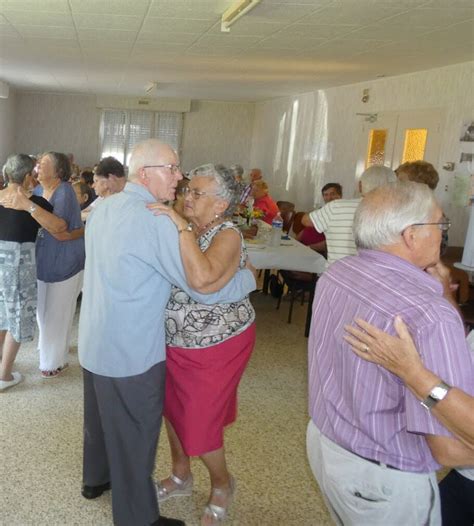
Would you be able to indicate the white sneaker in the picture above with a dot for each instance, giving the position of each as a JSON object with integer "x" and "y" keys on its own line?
{"x": 5, "y": 384}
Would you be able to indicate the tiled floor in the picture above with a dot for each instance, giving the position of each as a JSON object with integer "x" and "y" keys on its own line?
{"x": 41, "y": 440}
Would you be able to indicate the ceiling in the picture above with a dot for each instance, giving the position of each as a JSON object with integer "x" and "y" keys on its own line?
{"x": 281, "y": 47}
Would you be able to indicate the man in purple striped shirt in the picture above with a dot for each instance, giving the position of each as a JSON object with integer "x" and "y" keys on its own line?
{"x": 371, "y": 445}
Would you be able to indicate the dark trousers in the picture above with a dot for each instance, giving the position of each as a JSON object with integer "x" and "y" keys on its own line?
{"x": 122, "y": 420}
{"x": 457, "y": 500}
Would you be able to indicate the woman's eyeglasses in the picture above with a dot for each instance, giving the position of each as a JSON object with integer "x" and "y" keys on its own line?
{"x": 195, "y": 194}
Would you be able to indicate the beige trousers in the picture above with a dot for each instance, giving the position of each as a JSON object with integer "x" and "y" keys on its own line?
{"x": 361, "y": 493}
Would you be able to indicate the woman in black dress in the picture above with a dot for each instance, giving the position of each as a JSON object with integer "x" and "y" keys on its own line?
{"x": 18, "y": 232}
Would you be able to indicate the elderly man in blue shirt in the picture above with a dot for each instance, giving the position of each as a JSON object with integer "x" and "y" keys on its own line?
{"x": 132, "y": 260}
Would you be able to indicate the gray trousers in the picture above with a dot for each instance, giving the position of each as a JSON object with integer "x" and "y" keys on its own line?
{"x": 122, "y": 420}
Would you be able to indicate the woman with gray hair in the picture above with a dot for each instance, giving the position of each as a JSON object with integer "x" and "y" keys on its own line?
{"x": 208, "y": 346}
{"x": 60, "y": 257}
{"x": 18, "y": 295}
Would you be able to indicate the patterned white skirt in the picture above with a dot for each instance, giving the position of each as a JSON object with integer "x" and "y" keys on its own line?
{"x": 18, "y": 290}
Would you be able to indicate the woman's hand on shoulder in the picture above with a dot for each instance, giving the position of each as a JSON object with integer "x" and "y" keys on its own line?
{"x": 16, "y": 201}
{"x": 159, "y": 209}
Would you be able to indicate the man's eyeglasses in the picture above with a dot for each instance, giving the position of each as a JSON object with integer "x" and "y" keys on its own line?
{"x": 172, "y": 167}
{"x": 195, "y": 194}
{"x": 444, "y": 226}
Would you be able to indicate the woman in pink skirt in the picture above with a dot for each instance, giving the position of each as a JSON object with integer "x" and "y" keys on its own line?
{"x": 208, "y": 346}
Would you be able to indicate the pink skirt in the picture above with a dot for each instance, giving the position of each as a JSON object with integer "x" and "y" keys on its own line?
{"x": 201, "y": 390}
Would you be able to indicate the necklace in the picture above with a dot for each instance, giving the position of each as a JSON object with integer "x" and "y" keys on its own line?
{"x": 200, "y": 231}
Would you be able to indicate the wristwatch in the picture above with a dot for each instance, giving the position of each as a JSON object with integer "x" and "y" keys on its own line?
{"x": 32, "y": 209}
{"x": 436, "y": 394}
{"x": 187, "y": 228}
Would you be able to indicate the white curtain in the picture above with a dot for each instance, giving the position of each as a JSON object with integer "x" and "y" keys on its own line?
{"x": 300, "y": 148}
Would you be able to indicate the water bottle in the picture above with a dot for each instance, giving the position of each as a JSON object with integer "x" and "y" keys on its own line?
{"x": 277, "y": 230}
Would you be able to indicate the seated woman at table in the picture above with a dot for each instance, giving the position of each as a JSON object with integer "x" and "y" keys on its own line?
{"x": 208, "y": 346}
{"x": 263, "y": 201}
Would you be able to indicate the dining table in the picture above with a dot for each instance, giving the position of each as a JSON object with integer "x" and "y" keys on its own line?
{"x": 290, "y": 254}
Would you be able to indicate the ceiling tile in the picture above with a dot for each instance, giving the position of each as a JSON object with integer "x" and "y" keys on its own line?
{"x": 351, "y": 14}
{"x": 180, "y": 25}
{"x": 47, "y": 32}
{"x": 227, "y": 40}
{"x": 291, "y": 42}
{"x": 171, "y": 37}
{"x": 448, "y": 4}
{"x": 8, "y": 31}
{"x": 279, "y": 13}
{"x": 434, "y": 17}
{"x": 106, "y": 34}
{"x": 196, "y": 9}
{"x": 314, "y": 3}
{"x": 152, "y": 48}
{"x": 114, "y": 7}
{"x": 106, "y": 45}
{"x": 245, "y": 26}
{"x": 389, "y": 32}
{"x": 39, "y": 18}
{"x": 52, "y": 6}
{"x": 317, "y": 31}
{"x": 98, "y": 21}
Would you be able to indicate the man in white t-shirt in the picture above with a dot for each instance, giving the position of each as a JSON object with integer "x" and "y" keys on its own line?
{"x": 335, "y": 219}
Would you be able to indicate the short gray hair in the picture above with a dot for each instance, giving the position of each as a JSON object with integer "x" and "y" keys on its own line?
{"x": 376, "y": 176}
{"x": 228, "y": 188}
{"x": 237, "y": 170}
{"x": 387, "y": 211}
{"x": 17, "y": 167}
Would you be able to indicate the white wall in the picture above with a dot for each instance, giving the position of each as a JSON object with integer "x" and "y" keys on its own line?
{"x": 217, "y": 132}
{"x": 213, "y": 131}
{"x": 448, "y": 88}
{"x": 59, "y": 122}
{"x": 7, "y": 128}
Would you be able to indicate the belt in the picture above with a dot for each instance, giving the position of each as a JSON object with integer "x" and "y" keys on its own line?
{"x": 381, "y": 464}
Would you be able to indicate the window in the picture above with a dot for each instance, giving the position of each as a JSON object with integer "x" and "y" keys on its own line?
{"x": 376, "y": 149}
{"x": 120, "y": 130}
{"x": 415, "y": 144}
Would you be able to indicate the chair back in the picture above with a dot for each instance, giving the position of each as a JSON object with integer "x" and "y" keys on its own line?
{"x": 287, "y": 216}
{"x": 285, "y": 205}
{"x": 297, "y": 224}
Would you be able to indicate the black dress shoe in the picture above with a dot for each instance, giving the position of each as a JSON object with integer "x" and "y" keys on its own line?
{"x": 165, "y": 521}
{"x": 92, "y": 492}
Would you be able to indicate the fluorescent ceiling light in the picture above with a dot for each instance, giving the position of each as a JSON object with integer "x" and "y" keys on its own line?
{"x": 234, "y": 12}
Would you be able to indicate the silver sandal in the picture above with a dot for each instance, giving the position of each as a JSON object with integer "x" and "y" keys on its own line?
{"x": 218, "y": 513}
{"x": 183, "y": 488}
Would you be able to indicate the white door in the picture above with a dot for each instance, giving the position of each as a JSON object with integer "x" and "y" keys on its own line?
{"x": 395, "y": 137}
{"x": 418, "y": 137}
{"x": 376, "y": 140}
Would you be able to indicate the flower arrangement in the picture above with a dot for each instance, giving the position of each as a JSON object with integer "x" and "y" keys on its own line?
{"x": 252, "y": 214}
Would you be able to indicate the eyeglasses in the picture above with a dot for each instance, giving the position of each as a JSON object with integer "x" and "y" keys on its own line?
{"x": 195, "y": 194}
{"x": 172, "y": 167}
{"x": 444, "y": 226}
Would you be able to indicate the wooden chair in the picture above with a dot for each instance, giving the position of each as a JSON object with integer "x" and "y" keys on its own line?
{"x": 297, "y": 224}
{"x": 288, "y": 217}
{"x": 287, "y": 211}
{"x": 298, "y": 284}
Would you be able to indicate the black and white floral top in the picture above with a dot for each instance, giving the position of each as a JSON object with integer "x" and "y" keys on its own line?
{"x": 193, "y": 325}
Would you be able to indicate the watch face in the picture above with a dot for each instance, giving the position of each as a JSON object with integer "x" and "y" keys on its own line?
{"x": 438, "y": 393}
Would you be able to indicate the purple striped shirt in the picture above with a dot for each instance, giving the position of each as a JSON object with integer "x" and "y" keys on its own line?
{"x": 359, "y": 405}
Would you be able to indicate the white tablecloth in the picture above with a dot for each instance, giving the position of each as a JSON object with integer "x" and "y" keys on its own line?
{"x": 290, "y": 255}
